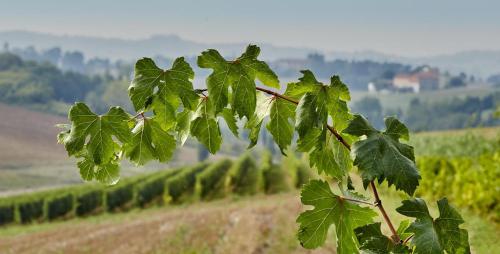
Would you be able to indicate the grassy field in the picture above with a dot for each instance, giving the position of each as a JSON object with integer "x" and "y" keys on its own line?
{"x": 31, "y": 159}
{"x": 259, "y": 224}
{"x": 28, "y": 138}
{"x": 486, "y": 132}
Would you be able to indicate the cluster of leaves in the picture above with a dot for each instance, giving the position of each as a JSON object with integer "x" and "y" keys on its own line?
{"x": 170, "y": 110}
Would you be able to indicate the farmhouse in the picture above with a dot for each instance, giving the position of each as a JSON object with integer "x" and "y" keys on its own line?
{"x": 424, "y": 79}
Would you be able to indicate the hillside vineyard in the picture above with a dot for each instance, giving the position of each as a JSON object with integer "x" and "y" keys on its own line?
{"x": 169, "y": 110}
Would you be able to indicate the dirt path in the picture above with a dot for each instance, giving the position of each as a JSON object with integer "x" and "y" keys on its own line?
{"x": 254, "y": 225}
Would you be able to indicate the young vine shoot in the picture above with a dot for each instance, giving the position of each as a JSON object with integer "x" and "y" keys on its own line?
{"x": 169, "y": 110}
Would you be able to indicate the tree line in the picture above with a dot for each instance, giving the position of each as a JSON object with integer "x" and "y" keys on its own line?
{"x": 422, "y": 115}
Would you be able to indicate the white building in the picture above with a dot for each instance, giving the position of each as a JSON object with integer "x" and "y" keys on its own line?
{"x": 425, "y": 79}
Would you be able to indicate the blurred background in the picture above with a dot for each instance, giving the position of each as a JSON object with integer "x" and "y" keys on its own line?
{"x": 433, "y": 64}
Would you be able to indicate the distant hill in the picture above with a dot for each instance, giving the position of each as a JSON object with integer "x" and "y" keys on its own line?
{"x": 114, "y": 48}
{"x": 482, "y": 63}
{"x": 479, "y": 63}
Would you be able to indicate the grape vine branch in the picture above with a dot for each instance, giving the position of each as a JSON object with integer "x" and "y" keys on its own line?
{"x": 169, "y": 110}
{"x": 377, "y": 202}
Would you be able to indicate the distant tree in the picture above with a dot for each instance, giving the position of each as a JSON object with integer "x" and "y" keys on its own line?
{"x": 124, "y": 70}
{"x": 112, "y": 92}
{"x": 52, "y": 56}
{"x": 371, "y": 108}
{"x": 388, "y": 74}
{"x": 97, "y": 66}
{"x": 455, "y": 82}
{"x": 28, "y": 53}
{"x": 494, "y": 80}
{"x": 73, "y": 61}
{"x": 30, "y": 92}
{"x": 28, "y": 82}
{"x": 456, "y": 113}
{"x": 9, "y": 61}
{"x": 316, "y": 58}
{"x": 394, "y": 112}
{"x": 472, "y": 79}
{"x": 463, "y": 76}
{"x": 355, "y": 73}
{"x": 415, "y": 102}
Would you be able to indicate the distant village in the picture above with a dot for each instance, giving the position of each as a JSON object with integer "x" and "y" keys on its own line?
{"x": 361, "y": 75}
{"x": 424, "y": 78}
{"x": 376, "y": 77}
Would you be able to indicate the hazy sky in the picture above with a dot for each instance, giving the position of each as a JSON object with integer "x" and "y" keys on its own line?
{"x": 404, "y": 27}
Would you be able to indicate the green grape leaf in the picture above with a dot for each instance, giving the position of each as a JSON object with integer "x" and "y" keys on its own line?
{"x": 396, "y": 129}
{"x": 108, "y": 173}
{"x": 253, "y": 136}
{"x": 219, "y": 81}
{"x": 326, "y": 153}
{"x": 183, "y": 126}
{"x": 339, "y": 112}
{"x": 311, "y": 111}
{"x": 317, "y": 101}
{"x": 262, "y": 110}
{"x": 258, "y": 69}
{"x": 164, "y": 144}
{"x": 243, "y": 96}
{"x": 310, "y": 140}
{"x": 381, "y": 156}
{"x": 165, "y": 107}
{"x": 434, "y": 236}
{"x": 337, "y": 104}
{"x": 205, "y": 127}
{"x": 330, "y": 209}
{"x": 307, "y": 83}
{"x": 372, "y": 241}
{"x": 341, "y": 154}
{"x": 403, "y": 225}
{"x": 228, "y": 116}
{"x": 176, "y": 81}
{"x": 340, "y": 89}
{"x": 280, "y": 125}
{"x": 240, "y": 75}
{"x": 99, "y": 130}
{"x": 149, "y": 142}
{"x": 322, "y": 158}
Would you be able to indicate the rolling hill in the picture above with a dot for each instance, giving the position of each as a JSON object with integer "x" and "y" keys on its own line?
{"x": 481, "y": 63}
{"x": 31, "y": 159}
{"x": 28, "y": 137}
